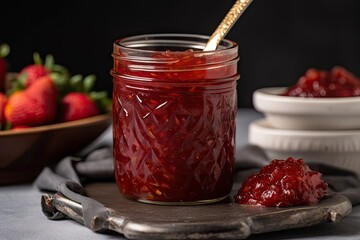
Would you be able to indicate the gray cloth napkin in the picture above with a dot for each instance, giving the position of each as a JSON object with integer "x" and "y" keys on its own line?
{"x": 70, "y": 173}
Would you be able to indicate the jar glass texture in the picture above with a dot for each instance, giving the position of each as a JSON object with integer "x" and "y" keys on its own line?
{"x": 174, "y": 118}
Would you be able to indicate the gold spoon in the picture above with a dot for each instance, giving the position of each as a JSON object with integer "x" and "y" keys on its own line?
{"x": 231, "y": 17}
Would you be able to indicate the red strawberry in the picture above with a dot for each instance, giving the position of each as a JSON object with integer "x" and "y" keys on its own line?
{"x": 3, "y": 100}
{"x": 4, "y": 51}
{"x": 77, "y": 105}
{"x": 33, "y": 106}
{"x": 32, "y": 72}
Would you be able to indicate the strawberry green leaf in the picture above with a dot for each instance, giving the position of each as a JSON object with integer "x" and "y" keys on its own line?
{"x": 59, "y": 68}
{"x": 4, "y": 50}
{"x": 102, "y": 101}
{"x": 98, "y": 95}
{"x": 60, "y": 81}
{"x": 22, "y": 79}
{"x": 105, "y": 105}
{"x": 76, "y": 82}
{"x": 88, "y": 83}
{"x": 37, "y": 58}
{"x": 16, "y": 84}
{"x": 49, "y": 61}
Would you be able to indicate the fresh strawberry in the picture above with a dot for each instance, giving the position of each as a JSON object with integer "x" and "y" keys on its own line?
{"x": 80, "y": 84}
{"x": 33, "y": 106}
{"x": 30, "y": 73}
{"x": 4, "y": 51}
{"x": 33, "y": 72}
{"x": 3, "y": 100}
{"x": 77, "y": 105}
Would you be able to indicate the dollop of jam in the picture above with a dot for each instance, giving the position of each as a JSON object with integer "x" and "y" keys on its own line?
{"x": 315, "y": 83}
{"x": 282, "y": 183}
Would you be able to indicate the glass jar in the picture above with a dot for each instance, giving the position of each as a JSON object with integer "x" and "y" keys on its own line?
{"x": 174, "y": 109}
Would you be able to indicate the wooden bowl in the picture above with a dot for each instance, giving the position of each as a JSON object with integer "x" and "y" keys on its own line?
{"x": 25, "y": 152}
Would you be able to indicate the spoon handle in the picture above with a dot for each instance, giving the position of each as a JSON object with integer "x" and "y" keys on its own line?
{"x": 231, "y": 17}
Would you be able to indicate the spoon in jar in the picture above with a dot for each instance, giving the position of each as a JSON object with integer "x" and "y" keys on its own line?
{"x": 231, "y": 17}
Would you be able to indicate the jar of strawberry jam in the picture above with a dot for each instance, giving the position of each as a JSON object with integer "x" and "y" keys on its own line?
{"x": 174, "y": 110}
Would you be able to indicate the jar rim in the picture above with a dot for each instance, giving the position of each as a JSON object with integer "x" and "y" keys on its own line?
{"x": 193, "y": 41}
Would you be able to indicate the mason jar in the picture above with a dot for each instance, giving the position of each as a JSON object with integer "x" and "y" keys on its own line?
{"x": 174, "y": 109}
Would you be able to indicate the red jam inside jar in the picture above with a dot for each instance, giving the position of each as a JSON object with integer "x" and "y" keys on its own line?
{"x": 338, "y": 82}
{"x": 174, "y": 118}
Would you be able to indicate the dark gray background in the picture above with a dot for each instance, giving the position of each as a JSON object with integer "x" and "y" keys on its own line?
{"x": 278, "y": 39}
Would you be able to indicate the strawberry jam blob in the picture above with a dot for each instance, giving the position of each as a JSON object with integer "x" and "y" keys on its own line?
{"x": 282, "y": 183}
{"x": 174, "y": 119}
{"x": 319, "y": 83}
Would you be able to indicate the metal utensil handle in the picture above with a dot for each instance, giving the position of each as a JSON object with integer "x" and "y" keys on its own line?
{"x": 231, "y": 17}
{"x": 57, "y": 202}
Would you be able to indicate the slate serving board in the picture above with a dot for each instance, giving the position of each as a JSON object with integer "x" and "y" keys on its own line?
{"x": 222, "y": 220}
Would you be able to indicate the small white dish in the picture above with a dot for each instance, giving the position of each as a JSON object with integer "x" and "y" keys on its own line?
{"x": 340, "y": 148}
{"x": 302, "y": 113}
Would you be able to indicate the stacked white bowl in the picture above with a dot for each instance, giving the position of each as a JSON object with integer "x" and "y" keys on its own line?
{"x": 323, "y": 130}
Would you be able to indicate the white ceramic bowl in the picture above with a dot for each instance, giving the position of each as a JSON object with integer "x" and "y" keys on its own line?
{"x": 340, "y": 148}
{"x": 301, "y": 113}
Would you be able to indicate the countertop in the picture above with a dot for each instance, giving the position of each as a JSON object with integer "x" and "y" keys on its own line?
{"x": 21, "y": 216}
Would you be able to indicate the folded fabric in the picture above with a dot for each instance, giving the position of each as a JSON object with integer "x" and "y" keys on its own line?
{"x": 65, "y": 179}
{"x": 70, "y": 173}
